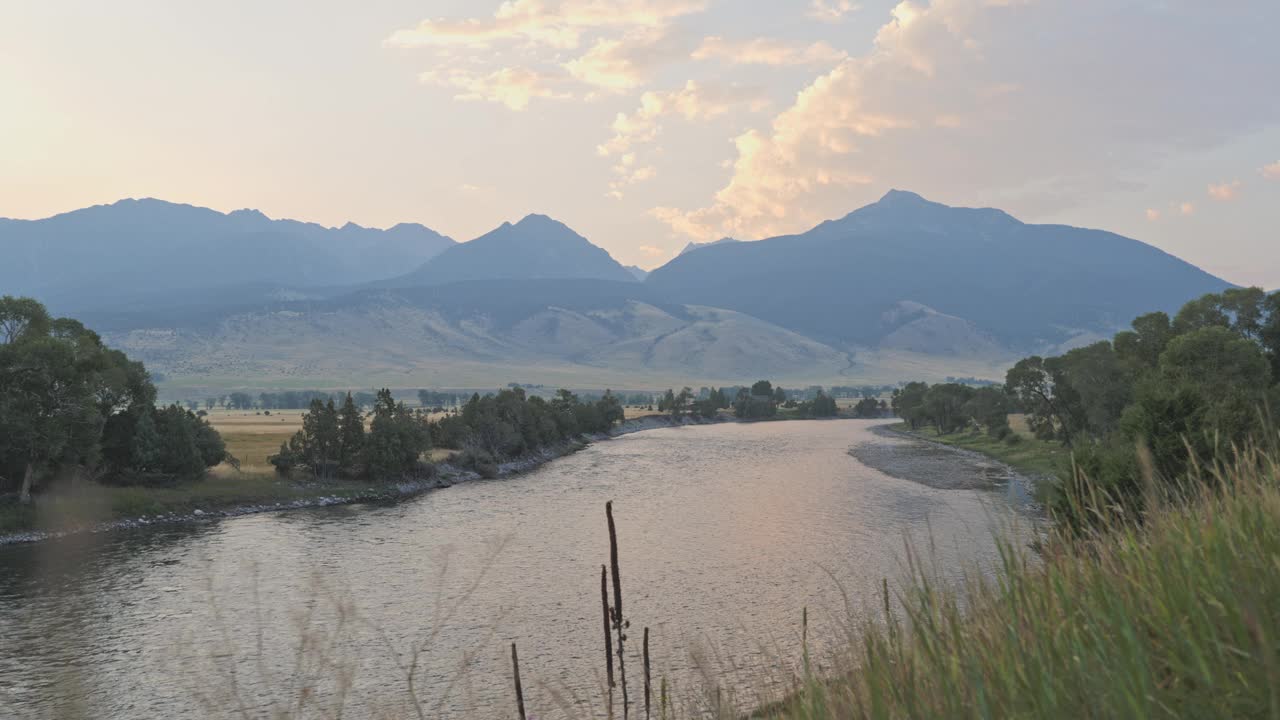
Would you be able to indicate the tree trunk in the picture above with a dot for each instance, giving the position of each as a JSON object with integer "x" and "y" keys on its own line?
{"x": 24, "y": 496}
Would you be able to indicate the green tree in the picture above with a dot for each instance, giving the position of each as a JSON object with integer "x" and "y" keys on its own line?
{"x": 989, "y": 407}
{"x": 944, "y": 406}
{"x": 350, "y": 436}
{"x": 908, "y": 403}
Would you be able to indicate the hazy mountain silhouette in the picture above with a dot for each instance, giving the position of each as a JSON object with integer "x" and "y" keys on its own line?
{"x": 901, "y": 288}
{"x": 696, "y": 246}
{"x": 1025, "y": 285}
{"x": 537, "y": 247}
{"x": 103, "y": 254}
{"x": 637, "y": 271}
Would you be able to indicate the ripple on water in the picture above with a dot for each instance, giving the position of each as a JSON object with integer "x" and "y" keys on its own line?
{"x": 726, "y": 533}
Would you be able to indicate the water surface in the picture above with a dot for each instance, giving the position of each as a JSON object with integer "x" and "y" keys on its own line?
{"x": 726, "y": 533}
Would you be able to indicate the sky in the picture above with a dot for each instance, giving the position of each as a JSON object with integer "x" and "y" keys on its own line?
{"x": 647, "y": 124}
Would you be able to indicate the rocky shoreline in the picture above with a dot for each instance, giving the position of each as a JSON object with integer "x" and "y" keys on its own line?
{"x": 944, "y": 467}
{"x": 446, "y": 475}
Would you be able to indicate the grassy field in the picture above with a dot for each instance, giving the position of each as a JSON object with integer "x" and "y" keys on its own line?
{"x": 1028, "y": 454}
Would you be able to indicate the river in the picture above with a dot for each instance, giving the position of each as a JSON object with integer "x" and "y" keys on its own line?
{"x": 727, "y": 532}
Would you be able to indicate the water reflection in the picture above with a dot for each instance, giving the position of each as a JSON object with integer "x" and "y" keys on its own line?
{"x": 726, "y": 532}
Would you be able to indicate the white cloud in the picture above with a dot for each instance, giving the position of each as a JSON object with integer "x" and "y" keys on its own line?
{"x": 653, "y": 252}
{"x": 1035, "y": 104}
{"x": 518, "y": 52}
{"x": 1153, "y": 214}
{"x": 766, "y": 51}
{"x": 623, "y": 63}
{"x": 694, "y": 101}
{"x": 512, "y": 87}
{"x": 558, "y": 25}
{"x": 1271, "y": 172}
{"x": 831, "y": 10}
{"x": 1224, "y": 191}
{"x": 1186, "y": 208}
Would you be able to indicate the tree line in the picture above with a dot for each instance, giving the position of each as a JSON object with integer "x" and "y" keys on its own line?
{"x": 70, "y": 407}
{"x": 510, "y": 423}
{"x": 334, "y": 442}
{"x": 1158, "y": 400}
{"x": 1150, "y": 405}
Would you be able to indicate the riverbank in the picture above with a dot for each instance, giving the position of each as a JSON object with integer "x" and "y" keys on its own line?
{"x": 1178, "y": 613}
{"x": 1028, "y": 454}
{"x": 93, "y": 508}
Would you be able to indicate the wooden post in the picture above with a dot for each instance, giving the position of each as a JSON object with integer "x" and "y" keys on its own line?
{"x": 515, "y": 671}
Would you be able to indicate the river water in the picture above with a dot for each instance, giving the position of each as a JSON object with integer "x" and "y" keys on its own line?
{"x": 727, "y": 532}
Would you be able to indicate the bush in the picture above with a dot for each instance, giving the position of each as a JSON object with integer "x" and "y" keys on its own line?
{"x": 1012, "y": 438}
{"x": 478, "y": 460}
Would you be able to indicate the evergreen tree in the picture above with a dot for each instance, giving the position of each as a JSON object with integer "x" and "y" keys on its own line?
{"x": 350, "y": 436}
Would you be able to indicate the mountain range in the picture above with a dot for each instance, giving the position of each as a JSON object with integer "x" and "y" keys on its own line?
{"x": 899, "y": 289}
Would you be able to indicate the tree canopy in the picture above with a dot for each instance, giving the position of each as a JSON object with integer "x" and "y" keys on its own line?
{"x": 69, "y": 405}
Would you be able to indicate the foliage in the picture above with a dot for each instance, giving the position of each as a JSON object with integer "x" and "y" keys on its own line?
{"x": 510, "y": 423}
{"x": 71, "y": 405}
{"x": 1147, "y": 406}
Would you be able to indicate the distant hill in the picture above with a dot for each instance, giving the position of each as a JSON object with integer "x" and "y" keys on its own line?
{"x": 574, "y": 332}
{"x": 103, "y": 255}
{"x": 1001, "y": 281}
{"x": 638, "y": 272}
{"x": 537, "y": 247}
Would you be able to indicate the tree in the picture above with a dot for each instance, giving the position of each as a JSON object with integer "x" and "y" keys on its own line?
{"x": 1142, "y": 345}
{"x": 322, "y": 437}
{"x": 21, "y": 317}
{"x": 762, "y": 388}
{"x": 944, "y": 406}
{"x": 350, "y": 436}
{"x": 396, "y": 439}
{"x": 989, "y": 407}
{"x": 908, "y": 403}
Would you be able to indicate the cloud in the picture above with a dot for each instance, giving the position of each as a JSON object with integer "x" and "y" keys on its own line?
{"x": 1186, "y": 208}
{"x": 623, "y": 63}
{"x": 1041, "y": 106}
{"x": 831, "y": 10}
{"x": 512, "y": 87}
{"x": 469, "y": 188}
{"x": 694, "y": 101}
{"x": 1271, "y": 172}
{"x": 536, "y": 22}
{"x": 766, "y": 51}
{"x": 653, "y": 252}
{"x": 1153, "y": 214}
{"x": 1224, "y": 191}
{"x": 519, "y": 52}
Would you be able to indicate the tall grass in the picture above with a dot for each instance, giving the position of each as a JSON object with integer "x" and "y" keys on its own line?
{"x": 1178, "y": 617}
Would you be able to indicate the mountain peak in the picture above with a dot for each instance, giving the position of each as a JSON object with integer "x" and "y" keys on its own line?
{"x": 248, "y": 214}
{"x": 902, "y": 197}
{"x": 535, "y": 219}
